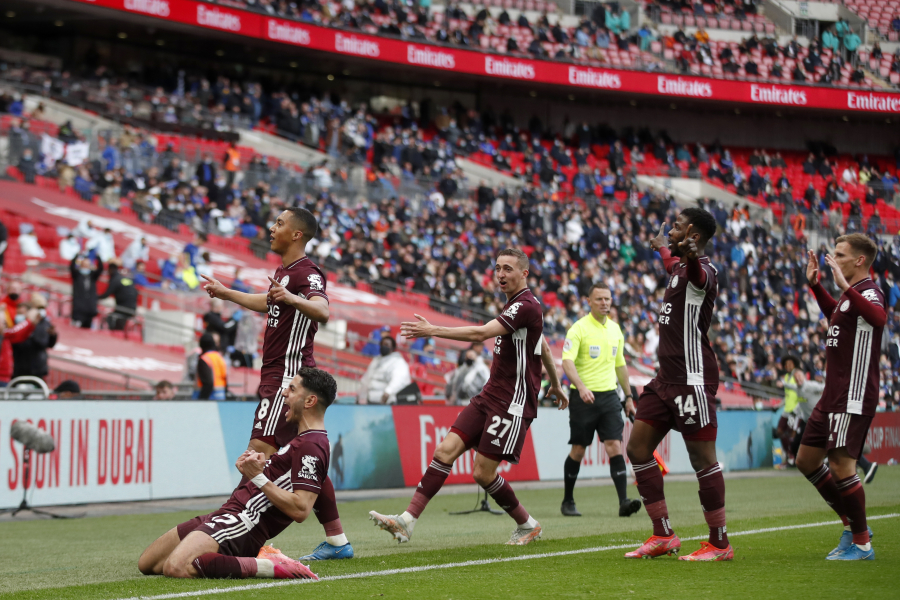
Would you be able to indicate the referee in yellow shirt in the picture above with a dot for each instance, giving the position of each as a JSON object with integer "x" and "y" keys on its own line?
{"x": 593, "y": 360}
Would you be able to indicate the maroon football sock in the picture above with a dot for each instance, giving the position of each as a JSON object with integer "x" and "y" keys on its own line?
{"x": 854, "y": 498}
{"x": 218, "y": 566}
{"x": 650, "y": 487}
{"x": 505, "y": 497}
{"x": 325, "y": 506}
{"x": 712, "y": 501}
{"x": 432, "y": 481}
{"x": 824, "y": 482}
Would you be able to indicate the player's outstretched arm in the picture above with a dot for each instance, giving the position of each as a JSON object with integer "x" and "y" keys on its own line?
{"x": 562, "y": 400}
{"x": 476, "y": 333}
{"x": 315, "y": 308}
{"x": 254, "y": 302}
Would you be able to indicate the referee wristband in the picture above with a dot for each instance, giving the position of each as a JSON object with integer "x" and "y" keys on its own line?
{"x": 260, "y": 480}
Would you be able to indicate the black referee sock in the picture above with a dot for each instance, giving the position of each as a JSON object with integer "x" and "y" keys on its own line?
{"x": 619, "y": 473}
{"x": 570, "y": 476}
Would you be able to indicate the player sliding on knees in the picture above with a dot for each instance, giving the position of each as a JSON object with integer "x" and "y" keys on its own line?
{"x": 228, "y": 543}
{"x": 296, "y": 304}
{"x": 839, "y": 424}
{"x": 497, "y": 419}
{"x": 682, "y": 396}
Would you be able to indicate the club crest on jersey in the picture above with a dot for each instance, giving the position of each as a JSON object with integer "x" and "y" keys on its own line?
{"x": 870, "y": 295}
{"x": 315, "y": 282}
{"x": 512, "y": 310}
{"x": 674, "y": 281}
{"x": 284, "y": 280}
{"x": 845, "y": 306}
{"x": 309, "y": 467}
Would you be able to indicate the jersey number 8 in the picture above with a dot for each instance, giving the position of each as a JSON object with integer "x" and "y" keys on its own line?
{"x": 687, "y": 406}
{"x": 263, "y": 409}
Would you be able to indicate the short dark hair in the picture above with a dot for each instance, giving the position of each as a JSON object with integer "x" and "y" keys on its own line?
{"x": 320, "y": 383}
{"x": 600, "y": 285}
{"x": 389, "y": 338}
{"x": 861, "y": 243}
{"x": 69, "y": 386}
{"x": 207, "y": 342}
{"x": 306, "y": 221}
{"x": 163, "y": 384}
{"x": 521, "y": 257}
{"x": 702, "y": 221}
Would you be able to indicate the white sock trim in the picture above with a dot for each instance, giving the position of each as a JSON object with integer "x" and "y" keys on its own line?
{"x": 265, "y": 568}
{"x": 531, "y": 523}
{"x": 337, "y": 540}
{"x": 409, "y": 520}
{"x": 866, "y": 546}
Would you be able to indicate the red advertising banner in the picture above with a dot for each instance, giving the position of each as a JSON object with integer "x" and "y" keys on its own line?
{"x": 884, "y": 437}
{"x": 495, "y": 65}
{"x": 421, "y": 428}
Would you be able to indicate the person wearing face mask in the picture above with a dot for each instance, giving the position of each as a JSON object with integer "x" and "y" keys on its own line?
{"x": 468, "y": 379}
{"x": 11, "y": 302}
{"x": 121, "y": 287}
{"x": 84, "y": 290}
{"x": 386, "y": 375}
{"x": 30, "y": 355}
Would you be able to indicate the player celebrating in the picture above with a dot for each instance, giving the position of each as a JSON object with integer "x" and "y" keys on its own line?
{"x": 276, "y": 492}
{"x": 496, "y": 420}
{"x": 683, "y": 394}
{"x": 296, "y": 303}
{"x": 839, "y": 423}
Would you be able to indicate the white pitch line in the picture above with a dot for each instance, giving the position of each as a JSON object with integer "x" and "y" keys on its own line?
{"x": 469, "y": 563}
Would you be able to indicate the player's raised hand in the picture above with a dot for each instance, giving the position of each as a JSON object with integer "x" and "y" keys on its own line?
{"x": 660, "y": 240}
{"x": 839, "y": 278}
{"x": 279, "y": 293}
{"x": 214, "y": 287}
{"x": 812, "y": 268}
{"x": 562, "y": 401}
{"x": 416, "y": 329}
{"x": 688, "y": 246}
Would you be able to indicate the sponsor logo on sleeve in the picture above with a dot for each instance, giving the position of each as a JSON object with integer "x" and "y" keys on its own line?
{"x": 417, "y": 55}
{"x": 218, "y": 19}
{"x": 309, "y": 467}
{"x": 568, "y": 345}
{"x": 508, "y": 68}
{"x": 315, "y": 282}
{"x": 286, "y": 32}
{"x": 512, "y": 310}
{"x": 871, "y": 295}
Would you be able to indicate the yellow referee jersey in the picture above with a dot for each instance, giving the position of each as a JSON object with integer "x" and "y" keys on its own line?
{"x": 596, "y": 351}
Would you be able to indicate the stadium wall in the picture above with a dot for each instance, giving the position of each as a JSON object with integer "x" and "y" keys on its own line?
{"x": 119, "y": 451}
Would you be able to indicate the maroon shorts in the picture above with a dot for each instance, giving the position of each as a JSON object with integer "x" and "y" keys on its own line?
{"x": 685, "y": 408}
{"x": 228, "y": 530}
{"x": 269, "y": 423}
{"x": 836, "y": 430}
{"x": 492, "y": 431}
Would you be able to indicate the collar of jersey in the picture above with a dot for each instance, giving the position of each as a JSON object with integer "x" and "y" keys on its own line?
{"x": 296, "y": 262}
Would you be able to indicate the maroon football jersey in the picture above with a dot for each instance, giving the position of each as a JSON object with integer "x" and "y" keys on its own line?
{"x": 301, "y": 465}
{"x": 516, "y": 371}
{"x": 288, "y": 343}
{"x": 685, "y": 355}
{"x": 852, "y": 351}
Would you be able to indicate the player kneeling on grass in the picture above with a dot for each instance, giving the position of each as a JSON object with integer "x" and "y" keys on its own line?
{"x": 228, "y": 543}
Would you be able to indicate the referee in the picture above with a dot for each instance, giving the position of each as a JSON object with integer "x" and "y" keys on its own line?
{"x": 593, "y": 360}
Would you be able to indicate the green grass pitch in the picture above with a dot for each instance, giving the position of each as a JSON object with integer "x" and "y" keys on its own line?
{"x": 97, "y": 557}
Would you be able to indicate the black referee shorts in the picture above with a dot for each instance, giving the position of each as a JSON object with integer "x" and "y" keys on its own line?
{"x": 603, "y": 416}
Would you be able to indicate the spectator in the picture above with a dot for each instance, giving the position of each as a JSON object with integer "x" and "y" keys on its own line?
{"x": 851, "y": 44}
{"x": 164, "y": 390}
{"x": 69, "y": 247}
{"x": 386, "y": 375}
{"x": 137, "y": 251}
{"x": 212, "y": 372}
{"x": 85, "y": 272}
{"x": 19, "y": 331}
{"x": 67, "y": 390}
{"x": 466, "y": 381}
{"x": 30, "y": 356}
{"x": 27, "y": 166}
{"x": 122, "y": 288}
{"x": 28, "y": 242}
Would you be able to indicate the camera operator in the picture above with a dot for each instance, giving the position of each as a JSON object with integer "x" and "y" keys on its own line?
{"x": 30, "y": 356}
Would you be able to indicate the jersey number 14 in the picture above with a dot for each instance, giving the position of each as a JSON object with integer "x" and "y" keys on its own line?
{"x": 686, "y": 405}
